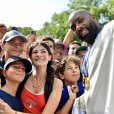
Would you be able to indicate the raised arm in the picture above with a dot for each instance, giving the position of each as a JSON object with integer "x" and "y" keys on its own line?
{"x": 68, "y": 38}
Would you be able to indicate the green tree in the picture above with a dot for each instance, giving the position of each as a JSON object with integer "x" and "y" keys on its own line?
{"x": 58, "y": 27}
{"x": 102, "y": 9}
{"x": 25, "y": 30}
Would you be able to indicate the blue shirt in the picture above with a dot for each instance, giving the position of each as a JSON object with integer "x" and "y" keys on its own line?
{"x": 84, "y": 63}
{"x": 65, "y": 94}
{"x": 12, "y": 101}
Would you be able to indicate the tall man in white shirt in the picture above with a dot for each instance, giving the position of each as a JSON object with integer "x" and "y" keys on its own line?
{"x": 99, "y": 98}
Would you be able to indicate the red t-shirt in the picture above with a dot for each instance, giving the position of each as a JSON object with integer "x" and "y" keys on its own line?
{"x": 32, "y": 103}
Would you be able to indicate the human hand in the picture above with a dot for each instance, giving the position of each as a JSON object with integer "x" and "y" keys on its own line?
{"x": 3, "y": 106}
{"x": 72, "y": 92}
{"x": 31, "y": 38}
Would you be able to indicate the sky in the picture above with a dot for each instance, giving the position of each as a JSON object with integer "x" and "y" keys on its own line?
{"x": 30, "y": 13}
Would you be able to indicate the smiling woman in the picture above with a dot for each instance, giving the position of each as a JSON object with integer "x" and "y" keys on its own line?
{"x": 43, "y": 87}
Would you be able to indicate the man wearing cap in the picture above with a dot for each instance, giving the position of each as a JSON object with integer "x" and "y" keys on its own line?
{"x": 81, "y": 51}
{"x": 14, "y": 70}
{"x": 12, "y": 45}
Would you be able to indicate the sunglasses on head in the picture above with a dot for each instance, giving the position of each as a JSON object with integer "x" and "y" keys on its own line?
{"x": 73, "y": 27}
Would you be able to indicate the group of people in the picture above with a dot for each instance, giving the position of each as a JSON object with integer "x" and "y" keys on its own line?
{"x": 47, "y": 76}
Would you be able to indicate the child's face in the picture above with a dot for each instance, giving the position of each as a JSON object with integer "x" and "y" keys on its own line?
{"x": 58, "y": 52}
{"x": 71, "y": 73}
{"x": 16, "y": 72}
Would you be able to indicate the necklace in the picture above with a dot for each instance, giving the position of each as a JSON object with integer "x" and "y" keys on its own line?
{"x": 36, "y": 83}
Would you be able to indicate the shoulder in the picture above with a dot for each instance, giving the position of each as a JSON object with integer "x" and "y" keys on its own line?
{"x": 111, "y": 23}
{"x": 106, "y": 33}
{"x": 109, "y": 26}
{"x": 58, "y": 82}
{"x": 4, "y": 95}
{"x": 1, "y": 93}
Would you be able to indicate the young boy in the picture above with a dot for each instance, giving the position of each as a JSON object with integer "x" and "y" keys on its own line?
{"x": 69, "y": 72}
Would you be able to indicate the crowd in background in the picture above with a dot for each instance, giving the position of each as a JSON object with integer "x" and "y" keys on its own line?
{"x": 44, "y": 75}
{"x": 54, "y": 80}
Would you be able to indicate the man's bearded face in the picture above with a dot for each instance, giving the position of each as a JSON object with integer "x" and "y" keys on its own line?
{"x": 91, "y": 35}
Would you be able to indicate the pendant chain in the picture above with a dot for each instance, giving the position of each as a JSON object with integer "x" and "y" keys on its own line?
{"x": 36, "y": 84}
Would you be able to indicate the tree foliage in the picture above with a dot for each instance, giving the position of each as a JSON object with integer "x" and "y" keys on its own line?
{"x": 24, "y": 30}
{"x": 102, "y": 9}
{"x": 58, "y": 27}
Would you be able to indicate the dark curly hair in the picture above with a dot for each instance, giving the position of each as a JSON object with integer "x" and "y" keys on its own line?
{"x": 64, "y": 61}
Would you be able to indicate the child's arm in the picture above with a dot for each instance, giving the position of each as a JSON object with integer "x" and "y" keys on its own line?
{"x": 68, "y": 105}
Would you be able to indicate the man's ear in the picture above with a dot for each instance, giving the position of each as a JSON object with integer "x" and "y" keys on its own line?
{"x": 61, "y": 76}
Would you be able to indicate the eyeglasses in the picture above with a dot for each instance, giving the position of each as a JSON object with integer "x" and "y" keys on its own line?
{"x": 73, "y": 27}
